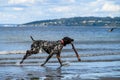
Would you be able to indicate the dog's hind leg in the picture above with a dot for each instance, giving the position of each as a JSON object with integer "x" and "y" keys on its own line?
{"x": 25, "y": 56}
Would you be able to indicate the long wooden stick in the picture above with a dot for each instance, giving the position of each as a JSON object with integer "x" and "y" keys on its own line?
{"x": 77, "y": 55}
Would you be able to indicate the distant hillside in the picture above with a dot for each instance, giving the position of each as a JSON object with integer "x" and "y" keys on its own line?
{"x": 78, "y": 21}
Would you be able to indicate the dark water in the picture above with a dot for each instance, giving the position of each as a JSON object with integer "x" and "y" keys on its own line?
{"x": 99, "y": 50}
{"x": 88, "y": 38}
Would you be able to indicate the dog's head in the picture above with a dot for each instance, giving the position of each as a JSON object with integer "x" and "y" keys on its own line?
{"x": 67, "y": 40}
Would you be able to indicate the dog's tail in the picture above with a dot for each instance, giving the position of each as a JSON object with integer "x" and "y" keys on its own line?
{"x": 32, "y": 38}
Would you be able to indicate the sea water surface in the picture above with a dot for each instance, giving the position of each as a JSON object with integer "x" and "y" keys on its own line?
{"x": 98, "y": 48}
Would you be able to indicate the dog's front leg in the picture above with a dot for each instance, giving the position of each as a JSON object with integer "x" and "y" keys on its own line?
{"x": 58, "y": 57}
{"x": 50, "y": 55}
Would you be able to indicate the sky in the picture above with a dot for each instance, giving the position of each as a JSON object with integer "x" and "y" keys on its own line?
{"x": 23, "y": 11}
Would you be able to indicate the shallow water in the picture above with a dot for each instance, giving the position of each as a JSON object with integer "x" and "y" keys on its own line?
{"x": 73, "y": 71}
{"x": 98, "y": 48}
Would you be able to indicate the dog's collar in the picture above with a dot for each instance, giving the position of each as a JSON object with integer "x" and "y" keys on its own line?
{"x": 62, "y": 42}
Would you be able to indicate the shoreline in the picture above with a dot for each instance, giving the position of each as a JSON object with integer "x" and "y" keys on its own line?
{"x": 78, "y": 71}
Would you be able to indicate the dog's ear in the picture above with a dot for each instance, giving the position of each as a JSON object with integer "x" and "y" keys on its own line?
{"x": 32, "y": 38}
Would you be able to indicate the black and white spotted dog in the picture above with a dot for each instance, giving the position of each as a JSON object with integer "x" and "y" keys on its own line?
{"x": 50, "y": 47}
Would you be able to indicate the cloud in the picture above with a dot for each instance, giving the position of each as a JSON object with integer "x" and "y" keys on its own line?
{"x": 18, "y": 9}
{"x": 61, "y": 9}
{"x": 21, "y": 11}
{"x": 68, "y": 1}
{"x": 102, "y": 8}
{"x": 20, "y": 1}
{"x": 10, "y": 9}
{"x": 27, "y": 2}
{"x": 111, "y": 7}
{"x": 105, "y": 5}
{"x": 6, "y": 16}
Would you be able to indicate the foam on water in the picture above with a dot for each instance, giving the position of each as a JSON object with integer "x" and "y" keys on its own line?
{"x": 18, "y": 63}
{"x": 13, "y": 52}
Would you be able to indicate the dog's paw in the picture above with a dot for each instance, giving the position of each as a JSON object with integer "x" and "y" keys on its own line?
{"x": 79, "y": 59}
{"x": 42, "y": 64}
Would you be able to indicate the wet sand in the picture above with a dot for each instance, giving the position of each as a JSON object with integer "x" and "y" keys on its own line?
{"x": 71, "y": 71}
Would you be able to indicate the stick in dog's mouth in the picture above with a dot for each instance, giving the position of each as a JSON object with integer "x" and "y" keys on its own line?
{"x": 77, "y": 55}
